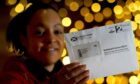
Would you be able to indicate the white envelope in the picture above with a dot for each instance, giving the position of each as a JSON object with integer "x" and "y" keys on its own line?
{"x": 106, "y": 50}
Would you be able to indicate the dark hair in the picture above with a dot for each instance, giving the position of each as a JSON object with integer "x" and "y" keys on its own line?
{"x": 18, "y": 25}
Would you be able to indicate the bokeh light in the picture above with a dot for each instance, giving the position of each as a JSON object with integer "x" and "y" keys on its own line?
{"x": 19, "y": 8}
{"x": 118, "y": 9}
{"x": 64, "y": 52}
{"x": 99, "y": 17}
{"x": 87, "y": 3}
{"x": 66, "y": 60}
{"x": 137, "y": 18}
{"x": 107, "y": 12}
{"x": 133, "y": 80}
{"x": 66, "y": 21}
{"x": 11, "y": 2}
{"x": 96, "y": 7}
{"x": 99, "y": 80}
{"x": 79, "y": 24}
{"x": 63, "y": 12}
{"x": 73, "y": 30}
{"x": 84, "y": 11}
{"x": 89, "y": 17}
{"x": 74, "y": 6}
{"x": 110, "y": 1}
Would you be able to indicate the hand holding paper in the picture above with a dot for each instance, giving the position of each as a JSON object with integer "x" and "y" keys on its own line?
{"x": 107, "y": 50}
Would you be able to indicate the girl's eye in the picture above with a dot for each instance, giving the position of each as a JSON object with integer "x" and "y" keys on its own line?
{"x": 58, "y": 32}
{"x": 39, "y": 33}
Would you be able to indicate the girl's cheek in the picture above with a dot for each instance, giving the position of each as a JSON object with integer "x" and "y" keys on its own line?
{"x": 40, "y": 45}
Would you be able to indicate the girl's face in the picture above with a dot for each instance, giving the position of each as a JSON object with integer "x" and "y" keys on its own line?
{"x": 45, "y": 37}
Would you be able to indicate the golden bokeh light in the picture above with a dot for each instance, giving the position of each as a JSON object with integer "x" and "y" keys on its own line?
{"x": 110, "y": 80}
{"x": 64, "y": 52}
{"x": 120, "y": 16}
{"x": 138, "y": 55}
{"x": 95, "y": 7}
{"x": 11, "y": 2}
{"x": 66, "y": 60}
{"x": 137, "y": 18}
{"x": 138, "y": 76}
{"x": 137, "y": 42}
{"x": 87, "y": 3}
{"x": 109, "y": 22}
{"x": 132, "y": 7}
{"x": 133, "y": 80}
{"x": 28, "y": 5}
{"x": 120, "y": 79}
{"x": 99, "y": 80}
{"x": 110, "y": 1}
{"x": 138, "y": 5}
{"x": 63, "y": 12}
{"x": 13, "y": 13}
{"x": 84, "y": 11}
{"x": 99, "y": 17}
{"x": 138, "y": 33}
{"x": 90, "y": 81}
{"x": 89, "y": 17}
{"x": 73, "y": 30}
{"x": 79, "y": 24}
{"x": 19, "y": 8}
{"x": 107, "y": 12}
{"x": 66, "y": 21}
{"x": 134, "y": 25}
{"x": 126, "y": 10}
{"x": 74, "y": 6}
{"x": 118, "y": 9}
{"x": 67, "y": 2}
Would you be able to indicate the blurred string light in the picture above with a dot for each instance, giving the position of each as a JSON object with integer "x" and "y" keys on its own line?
{"x": 107, "y": 12}
{"x": 87, "y": 3}
{"x": 110, "y": 80}
{"x": 13, "y": 13}
{"x": 89, "y": 17}
{"x": 84, "y": 11}
{"x": 66, "y": 21}
{"x": 99, "y": 17}
{"x": 134, "y": 25}
{"x": 19, "y": 8}
{"x": 109, "y": 22}
{"x": 133, "y": 80}
{"x": 137, "y": 18}
{"x": 11, "y": 2}
{"x": 74, "y": 6}
{"x": 63, "y": 12}
{"x": 99, "y": 80}
{"x": 66, "y": 60}
{"x": 73, "y": 30}
{"x": 90, "y": 81}
{"x": 28, "y": 5}
{"x": 79, "y": 24}
{"x": 64, "y": 52}
{"x": 67, "y": 2}
{"x": 132, "y": 7}
{"x": 118, "y": 9}
{"x": 110, "y": 1}
{"x": 95, "y": 7}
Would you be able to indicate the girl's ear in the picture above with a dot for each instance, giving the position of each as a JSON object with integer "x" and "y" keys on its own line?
{"x": 23, "y": 40}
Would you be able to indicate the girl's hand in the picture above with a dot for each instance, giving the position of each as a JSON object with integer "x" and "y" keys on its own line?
{"x": 74, "y": 73}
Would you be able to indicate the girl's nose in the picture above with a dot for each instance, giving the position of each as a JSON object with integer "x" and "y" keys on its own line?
{"x": 50, "y": 37}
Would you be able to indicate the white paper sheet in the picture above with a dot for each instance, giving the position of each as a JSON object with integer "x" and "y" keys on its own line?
{"x": 106, "y": 50}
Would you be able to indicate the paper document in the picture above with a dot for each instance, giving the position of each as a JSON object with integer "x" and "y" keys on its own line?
{"x": 106, "y": 50}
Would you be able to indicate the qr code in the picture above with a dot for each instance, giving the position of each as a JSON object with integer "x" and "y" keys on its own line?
{"x": 87, "y": 50}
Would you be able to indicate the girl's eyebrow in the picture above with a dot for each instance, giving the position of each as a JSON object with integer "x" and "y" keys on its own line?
{"x": 58, "y": 24}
